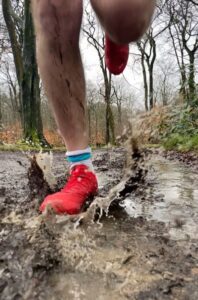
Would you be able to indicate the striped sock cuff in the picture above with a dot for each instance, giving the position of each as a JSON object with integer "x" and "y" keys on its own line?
{"x": 78, "y": 155}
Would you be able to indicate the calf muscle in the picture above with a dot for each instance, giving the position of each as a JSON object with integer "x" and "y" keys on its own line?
{"x": 57, "y": 24}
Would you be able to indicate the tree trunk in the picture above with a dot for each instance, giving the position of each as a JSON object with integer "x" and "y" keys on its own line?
{"x": 145, "y": 82}
{"x": 120, "y": 118}
{"x": 149, "y": 58}
{"x": 107, "y": 139}
{"x": 151, "y": 91}
{"x": 96, "y": 128}
{"x": 16, "y": 47}
{"x": 97, "y": 131}
{"x": 150, "y": 69}
{"x": 112, "y": 126}
{"x": 30, "y": 93}
{"x": 181, "y": 64}
{"x": 27, "y": 74}
{"x": 89, "y": 122}
{"x": 1, "y": 123}
{"x": 191, "y": 80}
{"x": 110, "y": 130}
{"x": 183, "y": 90}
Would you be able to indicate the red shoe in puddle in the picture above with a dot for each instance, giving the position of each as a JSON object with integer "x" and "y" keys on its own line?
{"x": 82, "y": 184}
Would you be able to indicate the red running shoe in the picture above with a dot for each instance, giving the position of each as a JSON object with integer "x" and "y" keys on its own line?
{"x": 81, "y": 185}
{"x": 116, "y": 56}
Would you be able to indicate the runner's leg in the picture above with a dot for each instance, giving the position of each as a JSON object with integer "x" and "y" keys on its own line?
{"x": 57, "y": 24}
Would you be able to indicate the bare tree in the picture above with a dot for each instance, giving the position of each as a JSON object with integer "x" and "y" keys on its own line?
{"x": 120, "y": 96}
{"x": 18, "y": 19}
{"x": 8, "y": 77}
{"x": 148, "y": 52}
{"x": 183, "y": 30}
{"x": 95, "y": 115}
{"x": 97, "y": 41}
{"x": 165, "y": 83}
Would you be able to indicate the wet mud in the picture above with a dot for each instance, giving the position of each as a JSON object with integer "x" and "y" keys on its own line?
{"x": 190, "y": 158}
{"x": 146, "y": 248}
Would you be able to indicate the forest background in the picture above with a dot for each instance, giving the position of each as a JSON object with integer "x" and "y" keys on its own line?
{"x": 158, "y": 92}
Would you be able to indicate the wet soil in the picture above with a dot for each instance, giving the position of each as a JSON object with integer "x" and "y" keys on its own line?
{"x": 147, "y": 249}
{"x": 190, "y": 158}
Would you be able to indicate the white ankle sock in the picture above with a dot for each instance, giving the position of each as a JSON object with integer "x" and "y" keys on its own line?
{"x": 80, "y": 157}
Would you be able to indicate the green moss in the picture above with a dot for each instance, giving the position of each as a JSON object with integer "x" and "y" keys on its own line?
{"x": 181, "y": 134}
{"x": 183, "y": 143}
{"x": 152, "y": 146}
{"x": 193, "y": 143}
{"x": 27, "y": 147}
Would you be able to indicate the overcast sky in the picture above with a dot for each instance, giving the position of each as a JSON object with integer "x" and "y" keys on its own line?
{"x": 133, "y": 72}
{"x": 132, "y": 75}
{"x": 93, "y": 71}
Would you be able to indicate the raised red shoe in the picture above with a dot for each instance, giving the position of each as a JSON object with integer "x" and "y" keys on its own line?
{"x": 81, "y": 185}
{"x": 116, "y": 56}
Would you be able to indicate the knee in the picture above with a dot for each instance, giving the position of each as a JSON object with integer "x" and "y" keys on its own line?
{"x": 124, "y": 20}
{"x": 58, "y": 19}
{"x": 47, "y": 22}
{"x": 44, "y": 15}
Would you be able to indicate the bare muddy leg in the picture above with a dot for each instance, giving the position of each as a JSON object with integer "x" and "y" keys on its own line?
{"x": 57, "y": 24}
{"x": 125, "y": 21}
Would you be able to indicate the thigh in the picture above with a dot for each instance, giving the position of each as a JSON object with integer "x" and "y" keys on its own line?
{"x": 124, "y": 20}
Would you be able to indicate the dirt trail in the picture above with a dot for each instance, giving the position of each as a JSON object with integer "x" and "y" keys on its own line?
{"x": 149, "y": 251}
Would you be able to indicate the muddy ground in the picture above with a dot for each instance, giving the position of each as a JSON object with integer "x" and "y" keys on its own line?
{"x": 148, "y": 250}
{"x": 190, "y": 159}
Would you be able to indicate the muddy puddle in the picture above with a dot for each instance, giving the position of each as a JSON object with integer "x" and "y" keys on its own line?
{"x": 146, "y": 249}
{"x": 175, "y": 195}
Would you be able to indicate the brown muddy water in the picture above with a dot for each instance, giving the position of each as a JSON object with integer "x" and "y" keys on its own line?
{"x": 176, "y": 192}
{"x": 146, "y": 249}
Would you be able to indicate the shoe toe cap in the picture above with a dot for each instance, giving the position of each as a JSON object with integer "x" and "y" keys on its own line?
{"x": 59, "y": 205}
